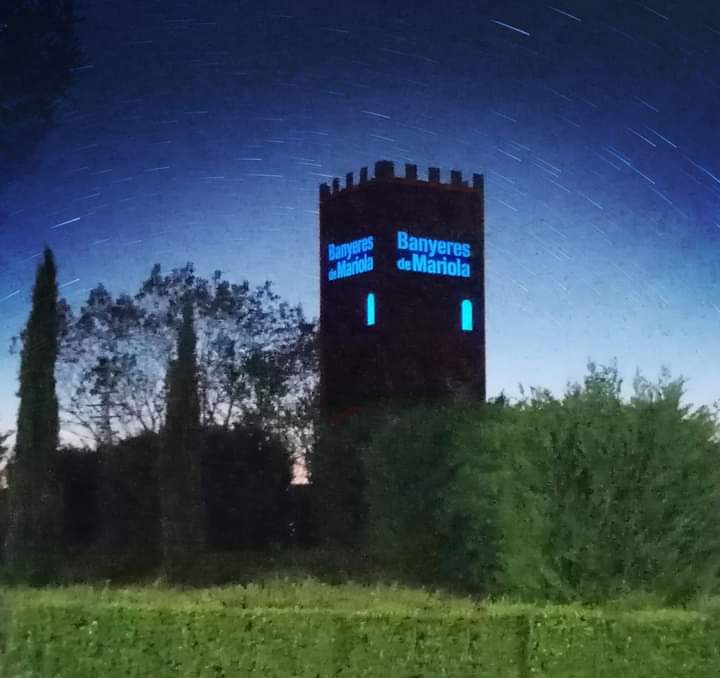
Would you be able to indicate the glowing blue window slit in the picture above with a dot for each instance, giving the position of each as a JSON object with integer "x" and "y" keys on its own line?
{"x": 370, "y": 309}
{"x": 466, "y": 315}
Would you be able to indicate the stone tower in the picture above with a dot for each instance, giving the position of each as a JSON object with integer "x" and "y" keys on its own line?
{"x": 402, "y": 293}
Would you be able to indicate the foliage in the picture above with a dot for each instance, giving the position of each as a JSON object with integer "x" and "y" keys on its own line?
{"x": 246, "y": 481}
{"x": 587, "y": 497}
{"x": 307, "y": 629}
{"x": 3, "y": 520}
{"x": 602, "y": 497}
{"x": 572, "y": 642}
{"x": 431, "y": 494}
{"x": 128, "y": 503}
{"x": 110, "y": 511}
{"x": 38, "y": 49}
{"x": 179, "y": 473}
{"x": 105, "y": 389}
{"x": 33, "y": 535}
{"x": 335, "y": 465}
{"x": 246, "y": 476}
{"x": 256, "y": 357}
{"x": 77, "y": 473}
{"x": 676, "y": 541}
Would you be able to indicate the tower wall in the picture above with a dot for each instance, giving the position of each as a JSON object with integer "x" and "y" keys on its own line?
{"x": 403, "y": 240}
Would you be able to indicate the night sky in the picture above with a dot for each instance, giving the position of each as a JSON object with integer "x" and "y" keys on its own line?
{"x": 200, "y": 131}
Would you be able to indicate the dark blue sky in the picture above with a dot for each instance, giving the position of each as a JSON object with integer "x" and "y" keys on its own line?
{"x": 200, "y": 131}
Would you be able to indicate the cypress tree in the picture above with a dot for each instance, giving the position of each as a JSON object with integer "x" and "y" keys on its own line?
{"x": 182, "y": 528}
{"x": 33, "y": 539}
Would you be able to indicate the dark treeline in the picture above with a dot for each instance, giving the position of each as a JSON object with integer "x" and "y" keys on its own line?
{"x": 198, "y": 397}
{"x": 110, "y": 500}
{"x": 255, "y": 358}
{"x": 195, "y": 397}
{"x": 111, "y": 506}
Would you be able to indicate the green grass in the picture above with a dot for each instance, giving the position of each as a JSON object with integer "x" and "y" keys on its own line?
{"x": 272, "y": 594}
{"x": 302, "y": 571}
{"x": 331, "y": 565}
{"x": 288, "y": 624}
{"x": 276, "y": 592}
{"x": 314, "y": 578}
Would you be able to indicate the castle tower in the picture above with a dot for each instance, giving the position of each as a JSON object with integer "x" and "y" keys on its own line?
{"x": 402, "y": 293}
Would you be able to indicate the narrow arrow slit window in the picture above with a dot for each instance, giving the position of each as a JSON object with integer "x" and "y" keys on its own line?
{"x": 370, "y": 310}
{"x": 466, "y": 315}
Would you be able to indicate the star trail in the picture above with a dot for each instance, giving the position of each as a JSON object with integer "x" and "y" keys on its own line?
{"x": 200, "y": 131}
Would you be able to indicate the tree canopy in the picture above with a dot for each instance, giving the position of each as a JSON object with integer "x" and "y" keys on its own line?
{"x": 256, "y": 357}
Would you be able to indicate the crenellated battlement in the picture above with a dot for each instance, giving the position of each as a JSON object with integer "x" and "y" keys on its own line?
{"x": 385, "y": 171}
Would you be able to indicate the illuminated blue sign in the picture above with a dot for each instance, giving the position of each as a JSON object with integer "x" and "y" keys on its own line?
{"x": 436, "y": 257}
{"x": 350, "y": 258}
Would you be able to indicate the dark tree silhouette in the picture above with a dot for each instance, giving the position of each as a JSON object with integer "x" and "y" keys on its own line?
{"x": 246, "y": 476}
{"x": 257, "y": 358}
{"x": 33, "y": 532}
{"x": 38, "y": 50}
{"x": 179, "y": 468}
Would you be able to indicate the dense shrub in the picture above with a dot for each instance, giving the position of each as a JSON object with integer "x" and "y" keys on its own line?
{"x": 78, "y": 476}
{"x": 246, "y": 478}
{"x": 601, "y": 496}
{"x": 245, "y": 473}
{"x": 302, "y": 531}
{"x": 338, "y": 478}
{"x": 572, "y": 643}
{"x": 431, "y": 493}
{"x": 3, "y": 518}
{"x": 588, "y": 497}
{"x": 315, "y": 631}
{"x": 110, "y": 497}
{"x": 128, "y": 499}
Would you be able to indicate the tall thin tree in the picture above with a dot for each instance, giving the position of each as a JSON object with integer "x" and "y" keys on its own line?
{"x": 33, "y": 539}
{"x": 182, "y": 519}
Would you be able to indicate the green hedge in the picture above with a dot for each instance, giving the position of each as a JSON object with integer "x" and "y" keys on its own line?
{"x": 76, "y": 641}
{"x": 569, "y": 643}
{"x": 52, "y": 634}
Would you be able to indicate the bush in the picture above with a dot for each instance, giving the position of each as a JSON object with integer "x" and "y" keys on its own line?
{"x": 601, "y": 497}
{"x": 83, "y": 642}
{"x": 302, "y": 532}
{"x": 338, "y": 479}
{"x": 129, "y": 502}
{"x": 431, "y": 493}
{"x": 316, "y": 631}
{"x": 3, "y": 519}
{"x": 78, "y": 475}
{"x": 110, "y": 497}
{"x": 246, "y": 479}
{"x": 572, "y": 643}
